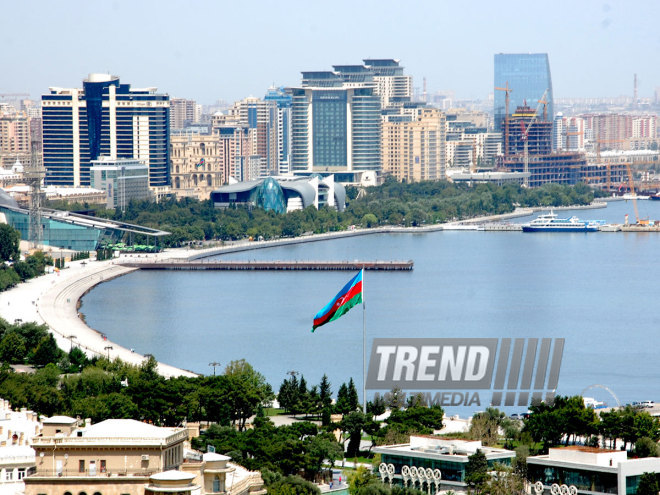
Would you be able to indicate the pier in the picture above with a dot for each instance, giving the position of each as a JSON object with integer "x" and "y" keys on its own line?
{"x": 395, "y": 266}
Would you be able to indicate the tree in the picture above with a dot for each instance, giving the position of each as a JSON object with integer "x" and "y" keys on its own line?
{"x": 353, "y": 401}
{"x": 293, "y": 485}
{"x": 646, "y": 447}
{"x": 359, "y": 479}
{"x": 342, "y": 406}
{"x": 12, "y": 348}
{"x": 353, "y": 423}
{"x": 9, "y": 243}
{"x": 377, "y": 406}
{"x": 246, "y": 389}
{"x": 648, "y": 484}
{"x": 46, "y": 352}
{"x": 476, "y": 471}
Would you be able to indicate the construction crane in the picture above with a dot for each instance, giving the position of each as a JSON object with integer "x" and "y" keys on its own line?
{"x": 525, "y": 135}
{"x": 506, "y": 90}
{"x": 633, "y": 194}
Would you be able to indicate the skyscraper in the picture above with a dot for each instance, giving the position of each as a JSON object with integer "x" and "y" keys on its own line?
{"x": 279, "y": 123}
{"x": 335, "y": 121}
{"x": 528, "y": 77}
{"x": 104, "y": 118}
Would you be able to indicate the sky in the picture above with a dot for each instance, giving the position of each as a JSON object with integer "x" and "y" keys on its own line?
{"x": 220, "y": 49}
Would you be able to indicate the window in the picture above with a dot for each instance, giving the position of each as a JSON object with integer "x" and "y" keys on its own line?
{"x": 103, "y": 467}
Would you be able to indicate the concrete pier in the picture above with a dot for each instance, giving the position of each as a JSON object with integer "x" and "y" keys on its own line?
{"x": 271, "y": 265}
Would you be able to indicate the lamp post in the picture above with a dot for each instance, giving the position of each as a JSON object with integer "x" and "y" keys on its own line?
{"x": 214, "y": 364}
{"x": 71, "y": 337}
{"x": 108, "y": 348}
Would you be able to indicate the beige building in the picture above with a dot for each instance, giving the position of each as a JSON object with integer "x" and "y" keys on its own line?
{"x": 127, "y": 457}
{"x": 114, "y": 457}
{"x": 413, "y": 144}
{"x": 14, "y": 139}
{"x": 200, "y": 163}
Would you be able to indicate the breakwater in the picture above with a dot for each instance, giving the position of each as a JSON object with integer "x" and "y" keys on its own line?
{"x": 272, "y": 265}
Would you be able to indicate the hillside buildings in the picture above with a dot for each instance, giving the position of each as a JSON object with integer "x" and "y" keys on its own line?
{"x": 108, "y": 118}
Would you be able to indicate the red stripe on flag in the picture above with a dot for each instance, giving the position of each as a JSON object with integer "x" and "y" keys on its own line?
{"x": 353, "y": 291}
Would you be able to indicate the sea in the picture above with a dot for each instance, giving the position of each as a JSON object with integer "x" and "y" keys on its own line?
{"x": 598, "y": 291}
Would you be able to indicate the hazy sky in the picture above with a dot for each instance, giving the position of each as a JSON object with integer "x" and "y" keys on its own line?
{"x": 209, "y": 50}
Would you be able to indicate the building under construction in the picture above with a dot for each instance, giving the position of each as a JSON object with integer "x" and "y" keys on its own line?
{"x": 543, "y": 164}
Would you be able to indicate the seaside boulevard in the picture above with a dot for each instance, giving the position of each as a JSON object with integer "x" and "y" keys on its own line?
{"x": 52, "y": 299}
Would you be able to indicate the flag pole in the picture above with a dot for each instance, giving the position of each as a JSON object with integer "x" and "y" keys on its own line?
{"x": 364, "y": 350}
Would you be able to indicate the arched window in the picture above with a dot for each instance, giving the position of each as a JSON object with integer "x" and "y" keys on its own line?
{"x": 97, "y": 493}
{"x": 82, "y": 493}
{"x": 67, "y": 493}
{"x": 177, "y": 183}
{"x": 216, "y": 484}
{"x": 202, "y": 148}
{"x": 194, "y": 179}
{"x": 177, "y": 169}
{"x": 209, "y": 180}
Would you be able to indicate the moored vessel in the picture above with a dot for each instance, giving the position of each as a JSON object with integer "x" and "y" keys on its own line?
{"x": 549, "y": 222}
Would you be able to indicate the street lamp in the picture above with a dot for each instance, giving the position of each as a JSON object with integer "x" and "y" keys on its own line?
{"x": 214, "y": 364}
{"x": 108, "y": 348}
{"x": 71, "y": 337}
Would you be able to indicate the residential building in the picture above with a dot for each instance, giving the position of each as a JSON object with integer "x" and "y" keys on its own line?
{"x": 413, "y": 144}
{"x": 279, "y": 132}
{"x": 17, "y": 459}
{"x": 441, "y": 461}
{"x": 590, "y": 469}
{"x": 14, "y": 138}
{"x": 214, "y": 474}
{"x": 236, "y": 146}
{"x": 184, "y": 113}
{"x": 200, "y": 163}
{"x": 122, "y": 180}
{"x": 283, "y": 194}
{"x": 392, "y": 85}
{"x": 105, "y": 117}
{"x": 528, "y": 76}
{"x": 335, "y": 121}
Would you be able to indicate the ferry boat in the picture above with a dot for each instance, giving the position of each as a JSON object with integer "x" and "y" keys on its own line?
{"x": 550, "y": 223}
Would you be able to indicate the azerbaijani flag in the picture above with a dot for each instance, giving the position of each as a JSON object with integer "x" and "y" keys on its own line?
{"x": 349, "y": 296}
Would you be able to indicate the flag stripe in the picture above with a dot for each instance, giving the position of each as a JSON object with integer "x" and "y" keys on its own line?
{"x": 346, "y": 298}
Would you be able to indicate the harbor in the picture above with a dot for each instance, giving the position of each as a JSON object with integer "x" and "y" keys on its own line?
{"x": 271, "y": 265}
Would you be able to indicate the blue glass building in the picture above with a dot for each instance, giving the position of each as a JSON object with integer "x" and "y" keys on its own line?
{"x": 104, "y": 118}
{"x": 528, "y": 76}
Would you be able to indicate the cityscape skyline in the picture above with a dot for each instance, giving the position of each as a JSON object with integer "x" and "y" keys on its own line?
{"x": 595, "y": 47}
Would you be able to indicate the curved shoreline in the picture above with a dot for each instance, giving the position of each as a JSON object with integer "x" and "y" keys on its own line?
{"x": 53, "y": 299}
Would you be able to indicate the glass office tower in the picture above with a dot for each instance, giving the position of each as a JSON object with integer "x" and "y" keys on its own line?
{"x": 528, "y": 75}
{"x": 104, "y": 118}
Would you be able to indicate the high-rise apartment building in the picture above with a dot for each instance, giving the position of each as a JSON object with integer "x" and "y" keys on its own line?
{"x": 279, "y": 131}
{"x": 184, "y": 113}
{"x": 392, "y": 85}
{"x": 413, "y": 144}
{"x": 14, "y": 138}
{"x": 528, "y": 77}
{"x": 108, "y": 118}
{"x": 335, "y": 122}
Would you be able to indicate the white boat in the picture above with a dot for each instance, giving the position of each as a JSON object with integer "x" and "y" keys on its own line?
{"x": 610, "y": 227}
{"x": 550, "y": 223}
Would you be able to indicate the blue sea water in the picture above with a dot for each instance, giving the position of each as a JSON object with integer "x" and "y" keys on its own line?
{"x": 599, "y": 291}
